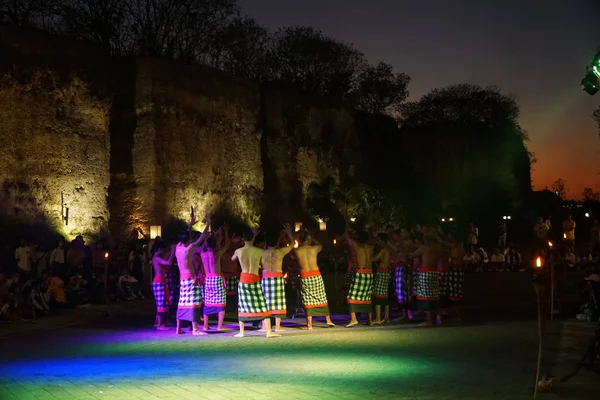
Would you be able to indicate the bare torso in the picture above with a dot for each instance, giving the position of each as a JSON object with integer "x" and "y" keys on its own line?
{"x": 457, "y": 254}
{"x": 429, "y": 254}
{"x": 229, "y": 266}
{"x": 307, "y": 257}
{"x": 384, "y": 257}
{"x": 160, "y": 266}
{"x": 250, "y": 258}
{"x": 211, "y": 261}
{"x": 364, "y": 255}
{"x": 183, "y": 254}
{"x": 272, "y": 260}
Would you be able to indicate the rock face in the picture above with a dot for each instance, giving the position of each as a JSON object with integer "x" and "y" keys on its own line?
{"x": 135, "y": 142}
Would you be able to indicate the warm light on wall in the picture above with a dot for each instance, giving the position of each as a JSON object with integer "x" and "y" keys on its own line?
{"x": 297, "y": 226}
{"x": 352, "y": 219}
{"x": 322, "y": 225}
{"x": 155, "y": 230}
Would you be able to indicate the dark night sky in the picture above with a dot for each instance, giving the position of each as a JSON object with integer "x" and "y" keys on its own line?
{"x": 536, "y": 50}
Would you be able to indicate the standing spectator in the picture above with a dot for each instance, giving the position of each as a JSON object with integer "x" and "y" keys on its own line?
{"x": 472, "y": 236}
{"x": 58, "y": 263}
{"x": 502, "y": 234}
{"x": 541, "y": 231}
{"x": 23, "y": 259}
{"x": 76, "y": 256}
{"x": 569, "y": 231}
{"x": 136, "y": 263}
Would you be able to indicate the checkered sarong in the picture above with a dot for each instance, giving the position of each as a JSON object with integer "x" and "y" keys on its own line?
{"x": 381, "y": 285}
{"x": 312, "y": 292}
{"x": 359, "y": 296}
{"x": 454, "y": 283}
{"x": 274, "y": 289}
{"x": 232, "y": 284}
{"x": 252, "y": 305}
{"x": 349, "y": 277}
{"x": 429, "y": 284}
{"x": 161, "y": 295}
{"x": 416, "y": 272}
{"x": 403, "y": 279}
{"x": 215, "y": 296}
{"x": 191, "y": 295}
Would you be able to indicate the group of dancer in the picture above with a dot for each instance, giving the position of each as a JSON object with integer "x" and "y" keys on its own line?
{"x": 422, "y": 273}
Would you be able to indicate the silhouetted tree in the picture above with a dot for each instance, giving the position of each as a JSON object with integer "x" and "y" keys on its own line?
{"x": 381, "y": 90}
{"x": 590, "y": 195}
{"x": 303, "y": 57}
{"x": 23, "y": 13}
{"x": 559, "y": 189}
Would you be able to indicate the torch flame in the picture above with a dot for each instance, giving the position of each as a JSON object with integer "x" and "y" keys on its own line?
{"x": 295, "y": 244}
{"x": 550, "y": 244}
{"x": 334, "y": 241}
{"x": 538, "y": 262}
{"x": 105, "y": 255}
{"x": 564, "y": 235}
{"x": 285, "y": 276}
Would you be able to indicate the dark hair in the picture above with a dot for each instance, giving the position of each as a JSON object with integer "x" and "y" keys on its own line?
{"x": 383, "y": 237}
{"x": 184, "y": 236}
{"x": 304, "y": 236}
{"x": 211, "y": 242}
{"x": 248, "y": 235}
{"x": 363, "y": 237}
{"x": 272, "y": 239}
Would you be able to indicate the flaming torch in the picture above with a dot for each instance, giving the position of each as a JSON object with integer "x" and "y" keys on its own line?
{"x": 296, "y": 244}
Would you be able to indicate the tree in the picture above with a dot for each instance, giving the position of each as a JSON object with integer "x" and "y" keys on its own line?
{"x": 380, "y": 89}
{"x": 105, "y": 22}
{"x": 559, "y": 189}
{"x": 23, "y": 13}
{"x": 590, "y": 195}
{"x": 597, "y": 118}
{"x": 305, "y": 58}
{"x": 243, "y": 48}
{"x": 468, "y": 150}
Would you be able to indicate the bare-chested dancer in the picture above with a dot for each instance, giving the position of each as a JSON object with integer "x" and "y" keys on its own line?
{"x": 382, "y": 279}
{"x": 456, "y": 275}
{"x": 273, "y": 283}
{"x": 428, "y": 289}
{"x": 190, "y": 297}
{"x": 359, "y": 296}
{"x": 404, "y": 274}
{"x": 161, "y": 261}
{"x": 252, "y": 305}
{"x": 215, "y": 296}
{"x": 312, "y": 288}
{"x": 231, "y": 271}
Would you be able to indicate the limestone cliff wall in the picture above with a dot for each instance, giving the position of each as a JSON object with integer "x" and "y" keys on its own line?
{"x": 54, "y": 142}
{"x": 138, "y": 141}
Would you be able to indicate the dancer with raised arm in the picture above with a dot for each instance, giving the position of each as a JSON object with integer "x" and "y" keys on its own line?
{"x": 273, "y": 283}
{"x": 215, "y": 296}
{"x": 359, "y": 296}
{"x": 312, "y": 289}
{"x": 428, "y": 285}
{"x": 161, "y": 261}
{"x": 190, "y": 297}
{"x": 252, "y": 305}
{"x": 382, "y": 279}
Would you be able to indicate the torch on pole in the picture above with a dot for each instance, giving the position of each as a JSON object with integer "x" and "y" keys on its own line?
{"x": 539, "y": 284}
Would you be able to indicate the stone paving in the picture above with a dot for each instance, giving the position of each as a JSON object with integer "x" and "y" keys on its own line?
{"x": 122, "y": 357}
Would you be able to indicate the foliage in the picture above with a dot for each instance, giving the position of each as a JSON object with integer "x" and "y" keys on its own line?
{"x": 559, "y": 189}
{"x": 590, "y": 195}
{"x": 380, "y": 90}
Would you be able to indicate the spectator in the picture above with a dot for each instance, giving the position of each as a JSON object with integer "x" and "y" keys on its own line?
{"x": 58, "y": 261}
{"x": 498, "y": 260}
{"x": 514, "y": 262}
{"x": 76, "y": 256}
{"x": 569, "y": 231}
{"x": 570, "y": 258}
{"x": 472, "y": 236}
{"x": 541, "y": 231}
{"x": 23, "y": 258}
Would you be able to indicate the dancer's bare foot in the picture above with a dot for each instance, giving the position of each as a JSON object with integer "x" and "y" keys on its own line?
{"x": 375, "y": 322}
{"x": 351, "y": 324}
{"x": 271, "y": 334}
{"x": 239, "y": 335}
{"x": 330, "y": 325}
{"x": 180, "y": 332}
{"x": 221, "y": 329}
{"x": 306, "y": 328}
{"x": 386, "y": 321}
{"x": 199, "y": 333}
{"x": 425, "y": 323}
{"x": 162, "y": 328}
{"x": 279, "y": 329}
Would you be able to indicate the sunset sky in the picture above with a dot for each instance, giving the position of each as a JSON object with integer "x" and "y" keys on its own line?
{"x": 536, "y": 50}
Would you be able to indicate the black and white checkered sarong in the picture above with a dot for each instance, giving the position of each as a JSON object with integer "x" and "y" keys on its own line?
{"x": 232, "y": 285}
{"x": 252, "y": 305}
{"x": 454, "y": 283}
{"x": 359, "y": 296}
{"x": 312, "y": 292}
{"x": 274, "y": 290}
{"x": 191, "y": 295}
{"x": 381, "y": 284}
{"x": 429, "y": 285}
{"x": 161, "y": 296}
{"x": 214, "y": 293}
